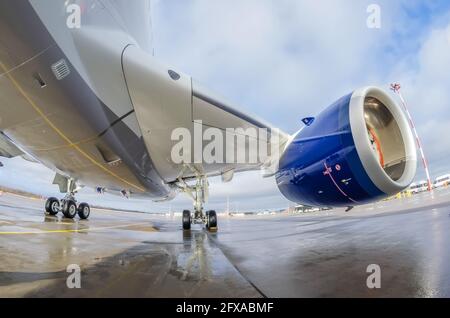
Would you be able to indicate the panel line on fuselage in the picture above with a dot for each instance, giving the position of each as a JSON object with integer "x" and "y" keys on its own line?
{"x": 61, "y": 133}
{"x": 8, "y": 71}
{"x": 87, "y": 140}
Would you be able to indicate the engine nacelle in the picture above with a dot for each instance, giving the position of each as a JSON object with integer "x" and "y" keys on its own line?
{"x": 359, "y": 150}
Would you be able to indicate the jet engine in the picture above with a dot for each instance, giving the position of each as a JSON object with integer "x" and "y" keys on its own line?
{"x": 359, "y": 150}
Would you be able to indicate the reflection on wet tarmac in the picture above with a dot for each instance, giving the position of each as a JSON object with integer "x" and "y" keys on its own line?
{"x": 138, "y": 255}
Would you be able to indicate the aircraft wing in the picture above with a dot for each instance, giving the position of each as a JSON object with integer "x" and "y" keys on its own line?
{"x": 168, "y": 104}
{"x": 214, "y": 111}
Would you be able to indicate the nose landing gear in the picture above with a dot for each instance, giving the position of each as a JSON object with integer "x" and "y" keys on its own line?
{"x": 199, "y": 194}
{"x": 209, "y": 220}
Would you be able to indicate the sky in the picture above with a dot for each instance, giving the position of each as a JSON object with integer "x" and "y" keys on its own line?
{"x": 283, "y": 60}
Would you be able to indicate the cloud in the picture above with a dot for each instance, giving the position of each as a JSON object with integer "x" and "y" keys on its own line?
{"x": 293, "y": 56}
{"x": 426, "y": 87}
{"x": 283, "y": 60}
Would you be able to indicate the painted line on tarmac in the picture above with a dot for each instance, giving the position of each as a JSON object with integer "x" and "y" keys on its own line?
{"x": 95, "y": 229}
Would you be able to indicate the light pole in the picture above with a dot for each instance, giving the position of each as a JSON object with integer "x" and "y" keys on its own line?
{"x": 396, "y": 88}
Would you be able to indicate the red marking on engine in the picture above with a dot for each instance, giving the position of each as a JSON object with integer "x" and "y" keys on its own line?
{"x": 337, "y": 186}
{"x": 378, "y": 144}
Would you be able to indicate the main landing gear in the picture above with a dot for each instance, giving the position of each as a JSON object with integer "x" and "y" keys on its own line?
{"x": 68, "y": 206}
{"x": 199, "y": 194}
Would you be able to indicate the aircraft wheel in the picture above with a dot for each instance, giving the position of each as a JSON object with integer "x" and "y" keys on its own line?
{"x": 84, "y": 210}
{"x": 211, "y": 221}
{"x": 186, "y": 220}
{"x": 52, "y": 206}
{"x": 69, "y": 209}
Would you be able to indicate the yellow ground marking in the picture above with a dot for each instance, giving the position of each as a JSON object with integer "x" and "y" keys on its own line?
{"x": 61, "y": 134}
{"x": 63, "y": 223}
{"x": 94, "y": 229}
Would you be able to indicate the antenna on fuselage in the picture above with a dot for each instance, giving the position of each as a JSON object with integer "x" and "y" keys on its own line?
{"x": 151, "y": 28}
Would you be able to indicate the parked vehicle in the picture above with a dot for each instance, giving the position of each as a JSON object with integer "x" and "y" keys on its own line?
{"x": 442, "y": 181}
{"x": 419, "y": 187}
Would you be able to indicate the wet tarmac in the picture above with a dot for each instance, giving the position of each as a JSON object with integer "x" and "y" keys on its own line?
{"x": 324, "y": 254}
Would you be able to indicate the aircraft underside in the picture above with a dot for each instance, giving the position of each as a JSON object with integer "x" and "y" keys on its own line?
{"x": 51, "y": 115}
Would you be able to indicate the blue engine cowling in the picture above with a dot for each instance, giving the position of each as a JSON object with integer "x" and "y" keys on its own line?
{"x": 359, "y": 150}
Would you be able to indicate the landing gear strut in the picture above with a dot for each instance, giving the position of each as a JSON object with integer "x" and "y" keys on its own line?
{"x": 199, "y": 195}
{"x": 68, "y": 205}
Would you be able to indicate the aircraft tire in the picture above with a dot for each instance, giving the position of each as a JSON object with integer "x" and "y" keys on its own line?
{"x": 186, "y": 220}
{"x": 84, "y": 211}
{"x": 211, "y": 221}
{"x": 69, "y": 209}
{"x": 52, "y": 206}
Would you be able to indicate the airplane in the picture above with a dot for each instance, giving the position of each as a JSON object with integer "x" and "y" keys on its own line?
{"x": 86, "y": 97}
